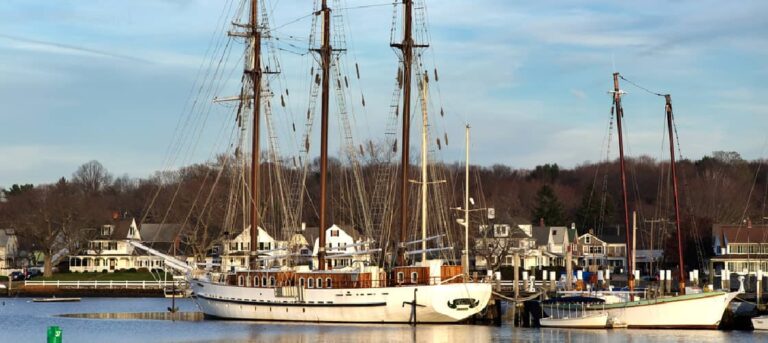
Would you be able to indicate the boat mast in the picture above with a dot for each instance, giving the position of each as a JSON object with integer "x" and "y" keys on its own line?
{"x": 325, "y": 56}
{"x": 673, "y": 168}
{"x": 256, "y": 75}
{"x": 407, "y": 48}
{"x": 617, "y": 92}
{"x": 465, "y": 256}
{"x": 424, "y": 184}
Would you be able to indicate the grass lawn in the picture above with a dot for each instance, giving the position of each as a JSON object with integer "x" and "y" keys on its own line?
{"x": 3, "y": 278}
{"x": 116, "y": 276}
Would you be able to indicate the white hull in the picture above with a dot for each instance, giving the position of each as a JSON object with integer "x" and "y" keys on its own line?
{"x": 591, "y": 321}
{"x": 760, "y": 323}
{"x": 696, "y": 311}
{"x": 344, "y": 305}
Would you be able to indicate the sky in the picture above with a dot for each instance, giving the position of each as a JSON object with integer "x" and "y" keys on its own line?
{"x": 113, "y": 80}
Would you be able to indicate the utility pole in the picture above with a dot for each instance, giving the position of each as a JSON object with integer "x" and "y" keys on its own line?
{"x": 325, "y": 55}
{"x": 465, "y": 255}
{"x": 673, "y": 169}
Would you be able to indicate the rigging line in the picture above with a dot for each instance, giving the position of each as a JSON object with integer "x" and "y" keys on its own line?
{"x": 641, "y": 87}
{"x": 290, "y": 22}
{"x": 366, "y": 6}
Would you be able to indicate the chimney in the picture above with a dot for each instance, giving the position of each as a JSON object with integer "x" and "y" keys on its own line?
{"x": 541, "y": 221}
{"x": 115, "y": 215}
{"x": 573, "y": 226}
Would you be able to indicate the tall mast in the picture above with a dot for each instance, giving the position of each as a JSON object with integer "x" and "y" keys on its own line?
{"x": 255, "y": 73}
{"x": 465, "y": 255}
{"x": 407, "y": 48}
{"x": 619, "y": 115}
{"x": 673, "y": 168}
{"x": 424, "y": 184}
{"x": 325, "y": 56}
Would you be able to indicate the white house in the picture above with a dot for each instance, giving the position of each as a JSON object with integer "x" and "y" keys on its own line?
{"x": 236, "y": 249}
{"x": 8, "y": 249}
{"x": 343, "y": 248}
{"x": 109, "y": 250}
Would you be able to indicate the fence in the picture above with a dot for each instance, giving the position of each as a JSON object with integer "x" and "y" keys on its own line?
{"x": 96, "y": 284}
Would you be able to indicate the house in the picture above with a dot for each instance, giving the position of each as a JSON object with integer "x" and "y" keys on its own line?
{"x": 498, "y": 243}
{"x": 8, "y": 249}
{"x": 236, "y": 249}
{"x": 109, "y": 250}
{"x": 344, "y": 247}
{"x": 554, "y": 242}
{"x": 741, "y": 249}
{"x": 605, "y": 251}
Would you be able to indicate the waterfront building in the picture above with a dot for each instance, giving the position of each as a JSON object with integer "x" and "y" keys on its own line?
{"x": 605, "y": 251}
{"x": 741, "y": 248}
{"x": 8, "y": 249}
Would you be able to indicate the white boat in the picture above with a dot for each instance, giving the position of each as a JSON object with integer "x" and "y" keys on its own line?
{"x": 54, "y": 300}
{"x": 760, "y": 323}
{"x": 690, "y": 311}
{"x": 424, "y": 291}
{"x": 444, "y": 303}
{"x": 586, "y": 321}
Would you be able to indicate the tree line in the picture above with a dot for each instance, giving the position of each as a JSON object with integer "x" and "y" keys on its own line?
{"x": 719, "y": 188}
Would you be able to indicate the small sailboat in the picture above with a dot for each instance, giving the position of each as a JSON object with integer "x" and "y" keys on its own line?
{"x": 574, "y": 312}
{"x": 760, "y": 323}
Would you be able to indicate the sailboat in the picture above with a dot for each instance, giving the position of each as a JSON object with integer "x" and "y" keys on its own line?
{"x": 683, "y": 311}
{"x": 427, "y": 291}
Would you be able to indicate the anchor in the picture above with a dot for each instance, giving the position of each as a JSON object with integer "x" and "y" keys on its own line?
{"x": 412, "y": 318}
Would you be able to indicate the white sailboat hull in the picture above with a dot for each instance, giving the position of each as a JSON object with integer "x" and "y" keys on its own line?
{"x": 760, "y": 323}
{"x": 695, "y": 311}
{"x": 343, "y": 305}
{"x": 591, "y": 321}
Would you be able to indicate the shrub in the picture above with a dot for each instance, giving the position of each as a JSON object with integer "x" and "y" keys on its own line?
{"x": 131, "y": 270}
{"x": 104, "y": 271}
{"x": 143, "y": 270}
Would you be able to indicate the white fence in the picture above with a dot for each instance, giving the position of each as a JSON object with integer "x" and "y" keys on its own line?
{"x": 108, "y": 284}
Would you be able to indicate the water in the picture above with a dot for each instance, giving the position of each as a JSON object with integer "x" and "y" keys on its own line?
{"x": 24, "y": 321}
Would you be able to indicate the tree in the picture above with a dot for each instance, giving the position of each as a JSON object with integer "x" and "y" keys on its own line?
{"x": 548, "y": 207}
{"x": 92, "y": 177}
{"x": 595, "y": 211}
{"x": 16, "y": 189}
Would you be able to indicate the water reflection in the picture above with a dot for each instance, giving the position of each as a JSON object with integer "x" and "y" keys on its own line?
{"x": 187, "y": 316}
{"x": 145, "y": 320}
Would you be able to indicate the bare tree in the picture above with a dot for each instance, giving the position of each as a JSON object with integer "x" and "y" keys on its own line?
{"x": 92, "y": 177}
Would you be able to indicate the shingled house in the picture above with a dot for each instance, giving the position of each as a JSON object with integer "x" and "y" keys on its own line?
{"x": 741, "y": 249}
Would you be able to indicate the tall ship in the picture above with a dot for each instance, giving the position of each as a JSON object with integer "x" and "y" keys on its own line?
{"x": 393, "y": 283}
{"x": 697, "y": 310}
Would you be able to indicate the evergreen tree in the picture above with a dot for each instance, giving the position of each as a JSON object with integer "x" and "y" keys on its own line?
{"x": 548, "y": 207}
{"x": 595, "y": 211}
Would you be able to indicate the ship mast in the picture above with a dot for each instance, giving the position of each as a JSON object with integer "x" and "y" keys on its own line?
{"x": 673, "y": 169}
{"x": 617, "y": 92}
{"x": 406, "y": 46}
{"x": 424, "y": 184}
{"x": 325, "y": 56}
{"x": 256, "y": 75}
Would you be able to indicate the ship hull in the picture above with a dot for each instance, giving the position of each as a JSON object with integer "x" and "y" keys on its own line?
{"x": 435, "y": 303}
{"x": 695, "y": 311}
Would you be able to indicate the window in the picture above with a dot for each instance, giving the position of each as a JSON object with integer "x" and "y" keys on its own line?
{"x": 501, "y": 230}
{"x": 334, "y": 233}
{"x": 310, "y": 283}
{"x": 328, "y": 283}
{"x": 319, "y": 282}
{"x": 554, "y": 232}
{"x": 588, "y": 240}
{"x": 240, "y": 280}
{"x": 400, "y": 277}
{"x": 414, "y": 277}
{"x": 264, "y": 281}
{"x": 301, "y": 282}
{"x": 255, "y": 281}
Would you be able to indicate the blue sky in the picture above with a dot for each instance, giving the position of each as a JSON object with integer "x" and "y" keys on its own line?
{"x": 110, "y": 80}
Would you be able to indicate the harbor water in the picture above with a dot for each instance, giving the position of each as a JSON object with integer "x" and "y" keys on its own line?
{"x": 119, "y": 320}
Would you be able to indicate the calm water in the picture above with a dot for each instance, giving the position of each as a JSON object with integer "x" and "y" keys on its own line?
{"x": 24, "y": 321}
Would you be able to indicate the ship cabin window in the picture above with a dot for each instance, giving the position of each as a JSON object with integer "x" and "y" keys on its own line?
{"x": 310, "y": 283}
{"x": 255, "y": 281}
{"x": 272, "y": 281}
{"x": 328, "y": 283}
{"x": 301, "y": 282}
{"x": 414, "y": 277}
{"x": 240, "y": 280}
{"x": 400, "y": 277}
{"x": 264, "y": 281}
{"x": 319, "y": 282}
